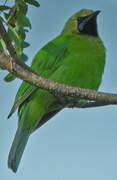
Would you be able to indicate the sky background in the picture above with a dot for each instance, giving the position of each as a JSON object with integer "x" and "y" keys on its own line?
{"x": 75, "y": 144}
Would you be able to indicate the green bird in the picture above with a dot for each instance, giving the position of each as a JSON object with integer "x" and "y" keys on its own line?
{"x": 76, "y": 57}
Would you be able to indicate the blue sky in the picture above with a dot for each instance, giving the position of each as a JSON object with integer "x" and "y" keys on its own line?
{"x": 75, "y": 144}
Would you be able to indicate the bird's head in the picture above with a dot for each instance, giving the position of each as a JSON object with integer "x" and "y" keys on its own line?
{"x": 84, "y": 22}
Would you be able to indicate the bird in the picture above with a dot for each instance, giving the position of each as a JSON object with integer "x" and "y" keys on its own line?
{"x": 76, "y": 57}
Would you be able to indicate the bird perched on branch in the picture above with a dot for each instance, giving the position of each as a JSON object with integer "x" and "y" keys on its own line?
{"x": 76, "y": 57}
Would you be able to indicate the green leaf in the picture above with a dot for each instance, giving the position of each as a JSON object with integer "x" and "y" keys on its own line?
{"x": 22, "y": 20}
{"x": 24, "y": 57}
{"x": 4, "y": 8}
{"x": 22, "y": 33}
{"x": 15, "y": 38}
{"x": 32, "y": 2}
{"x": 10, "y": 77}
{"x": 3, "y": 46}
{"x": 25, "y": 44}
{"x": 13, "y": 35}
{"x": 22, "y": 7}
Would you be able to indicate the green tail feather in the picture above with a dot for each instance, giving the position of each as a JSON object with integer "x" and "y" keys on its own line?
{"x": 17, "y": 149}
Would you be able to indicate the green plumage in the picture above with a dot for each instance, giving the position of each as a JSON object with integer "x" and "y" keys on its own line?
{"x": 73, "y": 58}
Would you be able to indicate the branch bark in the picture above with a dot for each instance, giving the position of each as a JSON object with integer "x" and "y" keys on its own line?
{"x": 22, "y": 71}
{"x": 26, "y": 74}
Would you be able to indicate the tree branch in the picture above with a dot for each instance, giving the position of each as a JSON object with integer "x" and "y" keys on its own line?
{"x": 26, "y": 74}
{"x": 22, "y": 71}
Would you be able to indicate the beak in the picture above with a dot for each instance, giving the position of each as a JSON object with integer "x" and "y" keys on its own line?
{"x": 94, "y": 14}
{"x": 91, "y": 16}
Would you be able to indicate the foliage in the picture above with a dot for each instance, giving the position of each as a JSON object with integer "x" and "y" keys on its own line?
{"x": 17, "y": 25}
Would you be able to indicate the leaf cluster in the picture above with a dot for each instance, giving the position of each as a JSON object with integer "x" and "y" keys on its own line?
{"x": 17, "y": 25}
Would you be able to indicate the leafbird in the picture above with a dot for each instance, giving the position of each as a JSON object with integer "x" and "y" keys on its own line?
{"x": 76, "y": 57}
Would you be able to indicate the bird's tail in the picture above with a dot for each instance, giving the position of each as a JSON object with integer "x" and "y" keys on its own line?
{"x": 17, "y": 148}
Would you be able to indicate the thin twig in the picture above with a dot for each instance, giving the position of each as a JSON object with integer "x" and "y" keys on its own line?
{"x": 5, "y": 2}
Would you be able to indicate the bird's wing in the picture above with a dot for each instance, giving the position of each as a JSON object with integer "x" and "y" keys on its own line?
{"x": 46, "y": 61}
{"x": 23, "y": 93}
